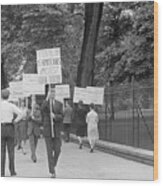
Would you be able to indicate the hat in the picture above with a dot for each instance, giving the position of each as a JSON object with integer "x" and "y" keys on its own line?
{"x": 5, "y": 93}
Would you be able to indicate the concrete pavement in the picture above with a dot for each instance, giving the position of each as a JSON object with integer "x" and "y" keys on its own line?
{"x": 80, "y": 163}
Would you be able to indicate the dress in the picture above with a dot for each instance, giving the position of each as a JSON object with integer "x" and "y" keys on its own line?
{"x": 21, "y": 127}
{"x": 80, "y": 120}
{"x": 92, "y": 125}
{"x": 67, "y": 120}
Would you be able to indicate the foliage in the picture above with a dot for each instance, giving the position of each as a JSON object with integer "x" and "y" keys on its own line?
{"x": 124, "y": 46}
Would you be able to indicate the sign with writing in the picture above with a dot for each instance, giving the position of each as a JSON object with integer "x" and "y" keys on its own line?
{"x": 34, "y": 84}
{"x": 16, "y": 89}
{"x": 89, "y": 95}
{"x": 62, "y": 92}
{"x": 79, "y": 95}
{"x": 95, "y": 95}
{"x": 49, "y": 64}
{"x": 48, "y": 53}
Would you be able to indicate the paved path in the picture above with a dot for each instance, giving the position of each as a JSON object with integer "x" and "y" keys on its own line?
{"x": 77, "y": 163}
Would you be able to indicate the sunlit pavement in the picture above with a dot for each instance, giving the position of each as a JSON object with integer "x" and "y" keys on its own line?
{"x": 80, "y": 163}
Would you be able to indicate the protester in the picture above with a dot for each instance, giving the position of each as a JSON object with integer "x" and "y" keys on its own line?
{"x": 92, "y": 120}
{"x": 67, "y": 120}
{"x": 34, "y": 123}
{"x": 21, "y": 129}
{"x": 8, "y": 110}
{"x": 53, "y": 143}
{"x": 80, "y": 120}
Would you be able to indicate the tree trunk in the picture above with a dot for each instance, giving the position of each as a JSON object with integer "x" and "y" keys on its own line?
{"x": 4, "y": 83}
{"x": 85, "y": 74}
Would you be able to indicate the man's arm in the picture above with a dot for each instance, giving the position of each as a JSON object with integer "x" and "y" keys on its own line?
{"x": 18, "y": 112}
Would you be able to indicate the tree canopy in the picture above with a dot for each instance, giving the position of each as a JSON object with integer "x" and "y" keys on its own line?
{"x": 124, "y": 44}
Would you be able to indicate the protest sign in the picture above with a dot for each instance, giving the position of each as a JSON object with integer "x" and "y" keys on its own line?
{"x": 49, "y": 64}
{"x": 89, "y": 95}
{"x": 79, "y": 95}
{"x": 34, "y": 84}
{"x": 95, "y": 95}
{"x": 16, "y": 89}
{"x": 48, "y": 53}
{"x": 62, "y": 92}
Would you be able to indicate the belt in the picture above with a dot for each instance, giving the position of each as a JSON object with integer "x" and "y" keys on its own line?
{"x": 6, "y": 124}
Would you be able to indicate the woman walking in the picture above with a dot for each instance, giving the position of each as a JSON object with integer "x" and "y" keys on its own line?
{"x": 21, "y": 129}
{"x": 92, "y": 120}
{"x": 67, "y": 120}
{"x": 80, "y": 117}
{"x": 34, "y": 124}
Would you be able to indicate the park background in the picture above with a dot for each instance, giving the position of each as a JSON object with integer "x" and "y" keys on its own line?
{"x": 91, "y": 182}
{"x": 109, "y": 45}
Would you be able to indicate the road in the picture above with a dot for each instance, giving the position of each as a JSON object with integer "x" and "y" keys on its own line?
{"x": 80, "y": 163}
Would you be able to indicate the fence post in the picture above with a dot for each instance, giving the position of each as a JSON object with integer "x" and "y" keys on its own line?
{"x": 106, "y": 114}
{"x": 133, "y": 112}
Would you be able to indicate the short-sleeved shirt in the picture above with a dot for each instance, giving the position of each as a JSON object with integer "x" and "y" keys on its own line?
{"x": 8, "y": 110}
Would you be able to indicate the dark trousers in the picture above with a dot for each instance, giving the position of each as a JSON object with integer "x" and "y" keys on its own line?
{"x": 53, "y": 146}
{"x": 67, "y": 127}
{"x": 7, "y": 141}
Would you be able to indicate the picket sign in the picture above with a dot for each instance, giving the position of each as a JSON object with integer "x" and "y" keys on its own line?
{"x": 89, "y": 95}
{"x": 16, "y": 90}
{"x": 34, "y": 84}
{"x": 49, "y": 64}
{"x": 80, "y": 95}
{"x": 95, "y": 95}
{"x": 62, "y": 92}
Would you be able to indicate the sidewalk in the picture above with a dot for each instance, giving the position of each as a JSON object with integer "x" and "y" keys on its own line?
{"x": 80, "y": 163}
{"x": 128, "y": 152}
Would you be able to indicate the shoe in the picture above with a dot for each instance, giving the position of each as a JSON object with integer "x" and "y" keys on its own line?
{"x": 13, "y": 174}
{"x": 53, "y": 175}
{"x": 91, "y": 151}
{"x": 24, "y": 152}
{"x": 80, "y": 146}
{"x": 19, "y": 147}
{"x": 34, "y": 159}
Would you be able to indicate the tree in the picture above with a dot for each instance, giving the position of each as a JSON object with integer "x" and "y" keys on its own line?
{"x": 85, "y": 73}
{"x": 125, "y": 44}
{"x": 4, "y": 82}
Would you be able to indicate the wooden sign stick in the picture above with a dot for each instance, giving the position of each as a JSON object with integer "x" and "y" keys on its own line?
{"x": 51, "y": 118}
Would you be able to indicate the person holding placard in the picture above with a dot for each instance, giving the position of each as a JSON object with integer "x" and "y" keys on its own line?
{"x": 80, "y": 121}
{"x": 52, "y": 116}
{"x": 92, "y": 120}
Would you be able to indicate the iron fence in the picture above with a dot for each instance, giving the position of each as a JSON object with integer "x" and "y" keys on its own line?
{"x": 127, "y": 116}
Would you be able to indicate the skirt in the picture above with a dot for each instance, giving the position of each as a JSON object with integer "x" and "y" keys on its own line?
{"x": 81, "y": 130}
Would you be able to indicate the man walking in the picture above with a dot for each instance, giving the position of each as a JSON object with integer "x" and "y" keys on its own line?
{"x": 52, "y": 111}
{"x": 8, "y": 112}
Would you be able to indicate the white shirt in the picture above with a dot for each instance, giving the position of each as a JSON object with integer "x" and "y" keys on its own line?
{"x": 7, "y": 112}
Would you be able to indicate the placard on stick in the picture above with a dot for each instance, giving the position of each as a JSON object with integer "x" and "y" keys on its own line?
{"x": 16, "y": 90}
{"x": 89, "y": 95}
{"x": 34, "y": 84}
{"x": 49, "y": 64}
{"x": 62, "y": 92}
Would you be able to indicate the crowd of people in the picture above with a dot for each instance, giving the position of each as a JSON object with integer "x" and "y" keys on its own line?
{"x": 26, "y": 122}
